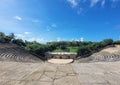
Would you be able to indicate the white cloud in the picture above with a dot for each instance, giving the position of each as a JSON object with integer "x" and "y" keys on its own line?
{"x": 103, "y": 3}
{"x": 40, "y": 40}
{"x": 29, "y": 38}
{"x": 18, "y": 18}
{"x": 78, "y": 5}
{"x": 20, "y": 36}
{"x": 75, "y": 39}
{"x": 27, "y": 33}
{"x": 73, "y": 3}
{"x": 93, "y": 2}
{"x": 81, "y": 39}
{"x": 58, "y": 39}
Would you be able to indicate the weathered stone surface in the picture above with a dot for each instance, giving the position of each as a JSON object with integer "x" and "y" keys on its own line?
{"x": 102, "y": 73}
{"x": 68, "y": 80}
{"x": 12, "y": 52}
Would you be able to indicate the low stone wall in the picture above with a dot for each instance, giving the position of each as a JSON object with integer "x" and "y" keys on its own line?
{"x": 60, "y": 55}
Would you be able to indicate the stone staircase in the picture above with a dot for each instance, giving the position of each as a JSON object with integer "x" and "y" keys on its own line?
{"x": 110, "y": 54}
{"x": 101, "y": 56}
{"x": 12, "y": 52}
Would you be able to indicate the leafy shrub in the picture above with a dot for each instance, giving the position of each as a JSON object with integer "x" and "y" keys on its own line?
{"x": 19, "y": 42}
{"x": 84, "y": 51}
{"x": 117, "y": 42}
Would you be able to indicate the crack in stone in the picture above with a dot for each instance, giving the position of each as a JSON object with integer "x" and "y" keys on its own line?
{"x": 50, "y": 74}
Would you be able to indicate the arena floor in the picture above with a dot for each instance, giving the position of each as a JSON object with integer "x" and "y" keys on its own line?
{"x": 102, "y": 73}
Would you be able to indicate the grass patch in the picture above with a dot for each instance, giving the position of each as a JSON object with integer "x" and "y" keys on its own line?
{"x": 73, "y": 49}
{"x": 69, "y": 49}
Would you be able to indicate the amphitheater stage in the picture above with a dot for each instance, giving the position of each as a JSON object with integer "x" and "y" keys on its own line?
{"x": 60, "y": 61}
{"x": 102, "y": 73}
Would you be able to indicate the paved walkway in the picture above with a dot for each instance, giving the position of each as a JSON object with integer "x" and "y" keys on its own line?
{"x": 102, "y": 73}
{"x": 13, "y": 73}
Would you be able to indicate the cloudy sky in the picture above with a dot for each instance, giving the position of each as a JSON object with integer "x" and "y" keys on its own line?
{"x": 55, "y": 20}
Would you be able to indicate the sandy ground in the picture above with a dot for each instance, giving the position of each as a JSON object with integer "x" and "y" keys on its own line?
{"x": 102, "y": 73}
{"x": 60, "y": 61}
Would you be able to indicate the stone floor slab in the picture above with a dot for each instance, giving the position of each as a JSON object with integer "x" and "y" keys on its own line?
{"x": 102, "y": 73}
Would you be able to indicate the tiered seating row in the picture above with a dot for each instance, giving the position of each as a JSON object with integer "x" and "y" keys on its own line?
{"x": 14, "y": 53}
{"x": 102, "y": 56}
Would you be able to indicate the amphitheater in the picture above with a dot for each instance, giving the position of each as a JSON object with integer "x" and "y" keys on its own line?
{"x": 109, "y": 54}
{"x": 18, "y": 67}
{"x": 12, "y": 52}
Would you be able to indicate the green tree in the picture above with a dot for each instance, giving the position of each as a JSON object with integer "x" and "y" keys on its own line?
{"x": 2, "y": 37}
{"x": 19, "y": 42}
{"x": 84, "y": 51}
{"x": 117, "y": 42}
{"x": 7, "y": 39}
{"x": 107, "y": 42}
{"x": 12, "y": 36}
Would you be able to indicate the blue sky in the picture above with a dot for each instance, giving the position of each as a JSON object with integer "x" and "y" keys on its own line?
{"x": 55, "y": 20}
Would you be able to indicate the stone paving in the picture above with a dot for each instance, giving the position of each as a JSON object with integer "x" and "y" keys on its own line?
{"x": 14, "y": 73}
{"x": 102, "y": 73}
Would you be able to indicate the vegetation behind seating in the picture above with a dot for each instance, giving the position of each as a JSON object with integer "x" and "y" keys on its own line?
{"x": 84, "y": 49}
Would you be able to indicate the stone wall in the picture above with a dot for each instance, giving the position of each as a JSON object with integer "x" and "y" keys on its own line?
{"x": 60, "y": 55}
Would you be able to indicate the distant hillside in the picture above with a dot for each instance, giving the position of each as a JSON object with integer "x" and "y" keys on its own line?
{"x": 12, "y": 52}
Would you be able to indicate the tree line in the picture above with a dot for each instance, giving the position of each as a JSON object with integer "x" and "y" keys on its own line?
{"x": 83, "y": 49}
